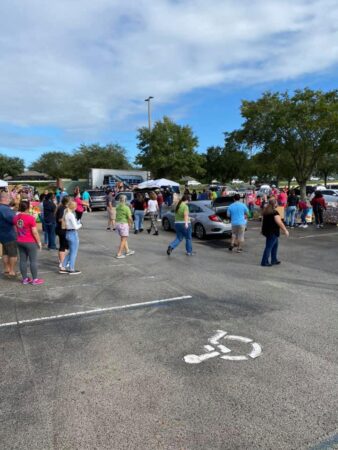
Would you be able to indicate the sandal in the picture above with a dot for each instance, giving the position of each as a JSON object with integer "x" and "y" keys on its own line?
{"x": 12, "y": 277}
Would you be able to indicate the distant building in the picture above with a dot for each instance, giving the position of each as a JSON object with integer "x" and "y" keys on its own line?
{"x": 189, "y": 181}
{"x": 30, "y": 175}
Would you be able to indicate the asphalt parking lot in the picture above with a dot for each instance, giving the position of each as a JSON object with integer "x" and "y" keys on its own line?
{"x": 109, "y": 374}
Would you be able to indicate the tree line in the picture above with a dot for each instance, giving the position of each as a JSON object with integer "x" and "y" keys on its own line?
{"x": 282, "y": 136}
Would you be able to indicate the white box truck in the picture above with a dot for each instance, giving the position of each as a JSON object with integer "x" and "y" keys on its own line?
{"x": 110, "y": 177}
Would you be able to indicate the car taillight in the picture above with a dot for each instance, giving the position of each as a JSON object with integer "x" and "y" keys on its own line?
{"x": 214, "y": 218}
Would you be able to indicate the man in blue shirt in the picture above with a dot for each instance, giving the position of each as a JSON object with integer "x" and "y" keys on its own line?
{"x": 7, "y": 235}
{"x": 237, "y": 213}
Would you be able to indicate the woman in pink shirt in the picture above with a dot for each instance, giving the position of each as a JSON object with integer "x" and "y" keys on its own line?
{"x": 282, "y": 199}
{"x": 79, "y": 205}
{"x": 28, "y": 241}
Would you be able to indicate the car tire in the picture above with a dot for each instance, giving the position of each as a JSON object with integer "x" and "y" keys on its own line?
{"x": 199, "y": 231}
{"x": 166, "y": 224}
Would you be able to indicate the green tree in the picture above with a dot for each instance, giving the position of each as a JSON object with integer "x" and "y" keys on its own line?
{"x": 55, "y": 164}
{"x": 234, "y": 159}
{"x": 274, "y": 164}
{"x": 169, "y": 150}
{"x": 302, "y": 127}
{"x": 213, "y": 164}
{"x": 111, "y": 156}
{"x": 11, "y": 166}
{"x": 327, "y": 165}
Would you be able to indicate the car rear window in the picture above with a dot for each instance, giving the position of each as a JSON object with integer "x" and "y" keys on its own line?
{"x": 223, "y": 201}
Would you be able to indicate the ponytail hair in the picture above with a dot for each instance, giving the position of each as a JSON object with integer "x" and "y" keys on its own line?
{"x": 24, "y": 205}
{"x": 184, "y": 198}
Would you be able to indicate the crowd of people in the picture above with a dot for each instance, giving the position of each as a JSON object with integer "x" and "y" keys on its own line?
{"x": 61, "y": 217}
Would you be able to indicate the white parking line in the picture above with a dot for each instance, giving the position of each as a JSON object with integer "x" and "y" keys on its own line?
{"x": 92, "y": 311}
{"x": 317, "y": 235}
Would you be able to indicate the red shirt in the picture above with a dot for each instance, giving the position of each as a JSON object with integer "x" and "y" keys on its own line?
{"x": 24, "y": 224}
{"x": 318, "y": 201}
{"x": 160, "y": 199}
{"x": 282, "y": 198}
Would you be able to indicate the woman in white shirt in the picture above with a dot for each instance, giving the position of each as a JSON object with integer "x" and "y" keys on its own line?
{"x": 152, "y": 209}
{"x": 71, "y": 225}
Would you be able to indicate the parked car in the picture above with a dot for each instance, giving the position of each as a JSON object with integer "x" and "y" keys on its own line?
{"x": 204, "y": 220}
{"x": 221, "y": 204}
{"x": 309, "y": 190}
{"x": 330, "y": 195}
{"x": 97, "y": 199}
{"x": 242, "y": 192}
{"x": 130, "y": 196}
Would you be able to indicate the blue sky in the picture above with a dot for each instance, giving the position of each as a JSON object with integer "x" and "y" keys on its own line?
{"x": 78, "y": 71}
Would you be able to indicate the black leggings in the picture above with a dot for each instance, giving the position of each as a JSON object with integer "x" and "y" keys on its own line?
{"x": 318, "y": 212}
{"x": 28, "y": 251}
{"x": 78, "y": 215}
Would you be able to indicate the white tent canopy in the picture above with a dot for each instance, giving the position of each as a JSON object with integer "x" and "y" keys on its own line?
{"x": 3, "y": 184}
{"x": 193, "y": 183}
{"x": 146, "y": 184}
{"x": 155, "y": 184}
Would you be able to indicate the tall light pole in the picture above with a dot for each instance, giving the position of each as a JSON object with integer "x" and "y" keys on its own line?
{"x": 149, "y": 112}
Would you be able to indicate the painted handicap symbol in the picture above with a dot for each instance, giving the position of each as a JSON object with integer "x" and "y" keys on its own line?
{"x": 217, "y": 349}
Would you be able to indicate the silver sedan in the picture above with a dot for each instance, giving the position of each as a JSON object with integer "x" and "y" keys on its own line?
{"x": 204, "y": 220}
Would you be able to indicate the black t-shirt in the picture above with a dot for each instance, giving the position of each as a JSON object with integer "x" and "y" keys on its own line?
{"x": 292, "y": 200}
{"x": 58, "y": 216}
{"x": 269, "y": 226}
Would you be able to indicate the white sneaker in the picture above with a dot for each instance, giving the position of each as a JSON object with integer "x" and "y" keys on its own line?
{"x": 305, "y": 226}
{"x": 131, "y": 252}
{"x": 120, "y": 256}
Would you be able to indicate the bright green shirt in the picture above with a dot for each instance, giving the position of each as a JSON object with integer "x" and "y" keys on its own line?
{"x": 123, "y": 213}
{"x": 179, "y": 215}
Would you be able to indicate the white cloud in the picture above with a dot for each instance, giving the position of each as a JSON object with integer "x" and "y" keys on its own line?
{"x": 80, "y": 64}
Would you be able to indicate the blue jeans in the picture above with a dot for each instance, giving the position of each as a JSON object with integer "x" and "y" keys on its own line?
{"x": 303, "y": 216}
{"x": 73, "y": 243}
{"x": 139, "y": 216}
{"x": 181, "y": 233}
{"x": 290, "y": 215}
{"x": 50, "y": 229}
{"x": 271, "y": 247}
